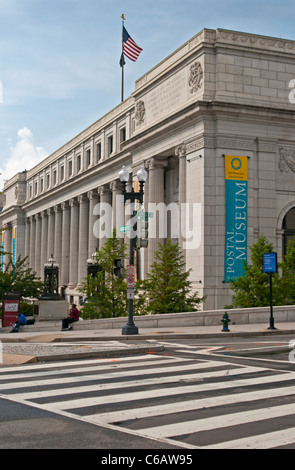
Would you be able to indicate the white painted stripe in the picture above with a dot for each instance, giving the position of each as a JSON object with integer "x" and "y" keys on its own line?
{"x": 263, "y": 441}
{"x": 118, "y": 398}
{"x": 191, "y": 405}
{"x": 97, "y": 367}
{"x": 119, "y": 373}
{"x": 131, "y": 383}
{"x": 219, "y": 422}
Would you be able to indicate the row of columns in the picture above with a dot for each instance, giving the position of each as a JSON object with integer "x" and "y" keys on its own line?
{"x": 66, "y": 229}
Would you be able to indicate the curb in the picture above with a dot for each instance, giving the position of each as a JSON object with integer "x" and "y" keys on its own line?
{"x": 93, "y": 354}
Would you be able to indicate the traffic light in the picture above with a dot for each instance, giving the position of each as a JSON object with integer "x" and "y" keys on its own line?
{"x": 119, "y": 268}
{"x": 142, "y": 231}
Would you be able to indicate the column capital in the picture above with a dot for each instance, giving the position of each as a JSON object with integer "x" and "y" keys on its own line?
{"x": 73, "y": 202}
{"x": 82, "y": 198}
{"x": 115, "y": 186}
{"x": 156, "y": 163}
{"x": 49, "y": 211}
{"x": 103, "y": 190}
{"x": 92, "y": 194}
{"x": 56, "y": 209}
{"x": 180, "y": 150}
{"x": 64, "y": 206}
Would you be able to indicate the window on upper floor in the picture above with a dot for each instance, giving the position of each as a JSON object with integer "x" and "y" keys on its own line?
{"x": 78, "y": 163}
{"x": 110, "y": 145}
{"x": 88, "y": 158}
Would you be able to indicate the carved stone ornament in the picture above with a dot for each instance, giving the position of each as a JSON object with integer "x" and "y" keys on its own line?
{"x": 195, "y": 80}
{"x": 287, "y": 160}
{"x": 139, "y": 113}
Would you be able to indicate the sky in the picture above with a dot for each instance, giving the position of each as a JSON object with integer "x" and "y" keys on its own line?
{"x": 59, "y": 60}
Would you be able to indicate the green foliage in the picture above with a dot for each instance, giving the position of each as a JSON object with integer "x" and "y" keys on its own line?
{"x": 167, "y": 288}
{"x": 287, "y": 281}
{"x": 19, "y": 277}
{"x": 252, "y": 289}
{"x": 106, "y": 293}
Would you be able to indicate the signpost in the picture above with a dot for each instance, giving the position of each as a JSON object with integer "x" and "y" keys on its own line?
{"x": 270, "y": 267}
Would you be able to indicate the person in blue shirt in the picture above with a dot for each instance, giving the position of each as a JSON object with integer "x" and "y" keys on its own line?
{"x": 20, "y": 320}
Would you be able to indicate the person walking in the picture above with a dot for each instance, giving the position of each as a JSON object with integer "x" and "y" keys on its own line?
{"x": 72, "y": 317}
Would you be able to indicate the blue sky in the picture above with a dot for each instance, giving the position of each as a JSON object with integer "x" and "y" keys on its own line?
{"x": 59, "y": 60}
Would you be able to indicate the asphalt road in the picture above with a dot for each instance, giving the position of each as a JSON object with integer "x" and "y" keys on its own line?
{"x": 34, "y": 415}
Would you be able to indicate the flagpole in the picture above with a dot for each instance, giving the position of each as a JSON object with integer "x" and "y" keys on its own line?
{"x": 122, "y": 57}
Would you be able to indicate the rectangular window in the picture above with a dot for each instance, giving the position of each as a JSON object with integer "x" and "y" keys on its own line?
{"x": 54, "y": 177}
{"x": 98, "y": 149}
{"x": 88, "y": 158}
{"x": 78, "y": 163}
{"x": 110, "y": 145}
{"x": 122, "y": 135}
{"x": 62, "y": 173}
{"x": 70, "y": 168}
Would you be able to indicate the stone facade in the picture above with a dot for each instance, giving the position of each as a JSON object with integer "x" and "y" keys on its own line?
{"x": 223, "y": 92}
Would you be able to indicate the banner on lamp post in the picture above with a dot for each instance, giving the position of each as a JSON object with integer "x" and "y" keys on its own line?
{"x": 236, "y": 214}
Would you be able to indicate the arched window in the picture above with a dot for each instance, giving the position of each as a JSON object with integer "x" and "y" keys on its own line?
{"x": 289, "y": 228}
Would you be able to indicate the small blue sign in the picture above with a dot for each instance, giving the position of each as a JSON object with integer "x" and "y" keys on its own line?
{"x": 270, "y": 263}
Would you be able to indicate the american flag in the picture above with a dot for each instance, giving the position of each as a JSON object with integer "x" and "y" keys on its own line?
{"x": 130, "y": 48}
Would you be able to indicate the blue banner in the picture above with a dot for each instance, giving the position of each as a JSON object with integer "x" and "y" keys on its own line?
{"x": 236, "y": 213}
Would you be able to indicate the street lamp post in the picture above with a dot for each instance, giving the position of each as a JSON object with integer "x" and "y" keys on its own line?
{"x": 130, "y": 328}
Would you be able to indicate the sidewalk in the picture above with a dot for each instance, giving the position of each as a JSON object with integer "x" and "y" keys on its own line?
{"x": 41, "y": 346}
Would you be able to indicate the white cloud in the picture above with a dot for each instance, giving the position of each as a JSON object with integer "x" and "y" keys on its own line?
{"x": 24, "y": 155}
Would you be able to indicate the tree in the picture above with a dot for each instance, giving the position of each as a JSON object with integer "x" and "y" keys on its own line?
{"x": 106, "y": 293}
{"x": 167, "y": 288}
{"x": 287, "y": 281}
{"x": 19, "y": 277}
{"x": 252, "y": 289}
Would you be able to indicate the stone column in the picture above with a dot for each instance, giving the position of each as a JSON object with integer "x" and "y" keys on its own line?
{"x": 44, "y": 240}
{"x": 118, "y": 217}
{"x": 27, "y": 237}
{"x": 93, "y": 242}
{"x": 74, "y": 244}
{"x": 180, "y": 152}
{"x": 32, "y": 242}
{"x": 156, "y": 193}
{"x": 105, "y": 220}
{"x": 7, "y": 243}
{"x": 38, "y": 244}
{"x": 50, "y": 241}
{"x": 83, "y": 238}
{"x": 57, "y": 234}
{"x": 65, "y": 244}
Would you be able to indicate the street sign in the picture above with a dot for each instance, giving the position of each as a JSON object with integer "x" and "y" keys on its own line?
{"x": 125, "y": 228}
{"x": 130, "y": 294}
{"x": 270, "y": 263}
{"x": 130, "y": 271}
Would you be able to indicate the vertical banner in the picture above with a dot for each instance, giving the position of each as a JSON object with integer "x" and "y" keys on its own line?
{"x": 14, "y": 245}
{"x": 2, "y": 254}
{"x": 236, "y": 214}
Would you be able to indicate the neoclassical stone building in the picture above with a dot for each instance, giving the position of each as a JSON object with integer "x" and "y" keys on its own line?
{"x": 223, "y": 94}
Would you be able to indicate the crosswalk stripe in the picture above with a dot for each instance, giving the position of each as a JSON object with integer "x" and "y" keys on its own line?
{"x": 118, "y": 373}
{"x": 157, "y": 393}
{"x": 269, "y": 440}
{"x": 226, "y": 420}
{"x": 137, "y": 382}
{"x": 109, "y": 365}
{"x": 191, "y": 405}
